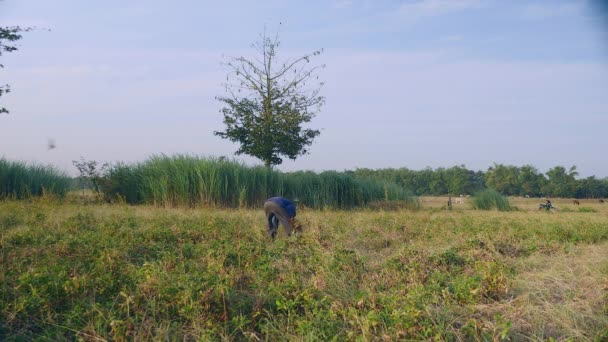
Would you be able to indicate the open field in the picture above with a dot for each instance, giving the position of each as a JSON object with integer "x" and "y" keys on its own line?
{"x": 519, "y": 203}
{"x": 114, "y": 272}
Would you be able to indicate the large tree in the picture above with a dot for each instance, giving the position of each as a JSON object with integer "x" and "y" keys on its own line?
{"x": 503, "y": 178}
{"x": 562, "y": 183}
{"x": 268, "y": 101}
{"x": 8, "y": 39}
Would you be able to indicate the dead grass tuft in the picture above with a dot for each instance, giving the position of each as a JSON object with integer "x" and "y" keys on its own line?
{"x": 562, "y": 295}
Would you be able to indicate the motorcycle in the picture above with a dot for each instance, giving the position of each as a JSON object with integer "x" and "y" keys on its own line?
{"x": 546, "y": 206}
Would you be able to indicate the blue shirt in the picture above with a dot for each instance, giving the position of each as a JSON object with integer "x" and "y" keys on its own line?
{"x": 286, "y": 204}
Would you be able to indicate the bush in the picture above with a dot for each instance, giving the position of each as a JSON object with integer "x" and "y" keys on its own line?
{"x": 491, "y": 199}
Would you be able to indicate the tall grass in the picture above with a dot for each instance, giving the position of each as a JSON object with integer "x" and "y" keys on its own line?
{"x": 193, "y": 181}
{"x": 20, "y": 180}
{"x": 491, "y": 199}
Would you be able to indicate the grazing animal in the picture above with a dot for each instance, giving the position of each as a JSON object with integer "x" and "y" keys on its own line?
{"x": 576, "y": 202}
{"x": 601, "y": 201}
{"x": 459, "y": 200}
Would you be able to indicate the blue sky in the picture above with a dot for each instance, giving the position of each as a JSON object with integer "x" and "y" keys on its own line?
{"x": 408, "y": 83}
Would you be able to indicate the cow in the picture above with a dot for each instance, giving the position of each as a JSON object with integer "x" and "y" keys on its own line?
{"x": 576, "y": 202}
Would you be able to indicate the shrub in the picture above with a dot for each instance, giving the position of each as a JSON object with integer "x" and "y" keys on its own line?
{"x": 489, "y": 199}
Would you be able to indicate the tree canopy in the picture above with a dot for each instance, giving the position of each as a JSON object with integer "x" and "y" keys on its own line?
{"x": 267, "y": 102}
{"x": 506, "y": 179}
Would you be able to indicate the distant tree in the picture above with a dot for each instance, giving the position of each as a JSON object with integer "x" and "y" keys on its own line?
{"x": 503, "y": 178}
{"x": 560, "y": 182}
{"x": 268, "y": 102}
{"x": 530, "y": 181}
{"x": 438, "y": 185}
{"x": 591, "y": 187}
{"x": 477, "y": 182}
{"x": 461, "y": 181}
{"x": 421, "y": 180}
{"x": 8, "y": 39}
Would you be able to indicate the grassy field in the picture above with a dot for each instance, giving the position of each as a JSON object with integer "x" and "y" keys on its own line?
{"x": 116, "y": 272}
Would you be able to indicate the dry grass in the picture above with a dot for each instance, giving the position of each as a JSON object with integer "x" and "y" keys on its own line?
{"x": 520, "y": 203}
{"x": 561, "y": 294}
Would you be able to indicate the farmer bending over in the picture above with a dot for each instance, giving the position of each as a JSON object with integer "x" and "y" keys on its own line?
{"x": 283, "y": 211}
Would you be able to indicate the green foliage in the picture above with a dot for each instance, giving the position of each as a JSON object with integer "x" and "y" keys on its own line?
{"x": 191, "y": 181}
{"x": 503, "y": 178}
{"x": 507, "y": 179}
{"x": 268, "y": 102}
{"x": 591, "y": 187}
{"x": 491, "y": 199}
{"x": 454, "y": 180}
{"x": 115, "y": 272}
{"x": 19, "y": 180}
{"x": 561, "y": 183}
{"x": 8, "y": 37}
{"x": 516, "y": 181}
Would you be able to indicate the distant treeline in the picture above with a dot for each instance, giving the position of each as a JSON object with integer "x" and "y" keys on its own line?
{"x": 507, "y": 179}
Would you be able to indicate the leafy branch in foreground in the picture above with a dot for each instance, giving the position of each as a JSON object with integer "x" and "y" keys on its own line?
{"x": 8, "y": 38}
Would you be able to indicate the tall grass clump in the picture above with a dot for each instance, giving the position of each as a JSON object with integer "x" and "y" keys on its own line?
{"x": 19, "y": 180}
{"x": 194, "y": 181}
{"x": 489, "y": 199}
{"x": 190, "y": 181}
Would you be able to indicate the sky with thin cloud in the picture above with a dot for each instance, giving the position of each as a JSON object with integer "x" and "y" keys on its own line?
{"x": 420, "y": 83}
